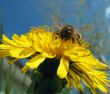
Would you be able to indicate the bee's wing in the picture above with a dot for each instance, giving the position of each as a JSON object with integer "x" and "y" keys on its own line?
{"x": 58, "y": 22}
{"x": 85, "y": 28}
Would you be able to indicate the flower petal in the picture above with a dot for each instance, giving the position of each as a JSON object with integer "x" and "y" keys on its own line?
{"x": 49, "y": 55}
{"x": 21, "y": 40}
{"x": 24, "y": 69}
{"x": 21, "y": 52}
{"x": 4, "y": 46}
{"x": 4, "y": 53}
{"x": 7, "y": 41}
{"x": 27, "y": 52}
{"x": 92, "y": 62}
{"x": 75, "y": 80}
{"x": 36, "y": 61}
{"x": 12, "y": 61}
{"x": 63, "y": 67}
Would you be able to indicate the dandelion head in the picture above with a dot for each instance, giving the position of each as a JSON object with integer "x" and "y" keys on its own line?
{"x": 52, "y": 55}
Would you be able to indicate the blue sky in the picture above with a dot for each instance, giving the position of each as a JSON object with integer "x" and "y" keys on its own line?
{"x": 19, "y": 15}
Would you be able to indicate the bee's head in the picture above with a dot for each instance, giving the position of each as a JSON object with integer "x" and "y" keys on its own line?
{"x": 66, "y": 32}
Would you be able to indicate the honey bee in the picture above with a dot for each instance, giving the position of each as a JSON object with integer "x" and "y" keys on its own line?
{"x": 68, "y": 32}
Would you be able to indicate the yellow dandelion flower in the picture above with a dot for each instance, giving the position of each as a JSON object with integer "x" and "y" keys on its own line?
{"x": 76, "y": 62}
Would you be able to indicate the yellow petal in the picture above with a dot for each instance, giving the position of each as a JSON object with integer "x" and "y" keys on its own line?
{"x": 4, "y": 53}
{"x": 76, "y": 80}
{"x": 63, "y": 67}
{"x": 7, "y": 41}
{"x": 22, "y": 41}
{"x": 36, "y": 61}
{"x": 100, "y": 85}
{"x": 16, "y": 52}
{"x": 92, "y": 62}
{"x": 13, "y": 61}
{"x": 4, "y": 46}
{"x": 27, "y": 52}
{"x": 49, "y": 55}
{"x": 69, "y": 81}
{"x": 86, "y": 78}
{"x": 24, "y": 69}
{"x": 21, "y": 52}
{"x": 71, "y": 55}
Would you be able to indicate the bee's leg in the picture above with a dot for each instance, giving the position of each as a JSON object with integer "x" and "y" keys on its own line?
{"x": 79, "y": 42}
{"x": 78, "y": 35}
{"x": 55, "y": 35}
{"x": 73, "y": 40}
{"x": 78, "y": 38}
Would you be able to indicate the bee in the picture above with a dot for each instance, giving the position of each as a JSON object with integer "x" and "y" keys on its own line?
{"x": 68, "y": 32}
